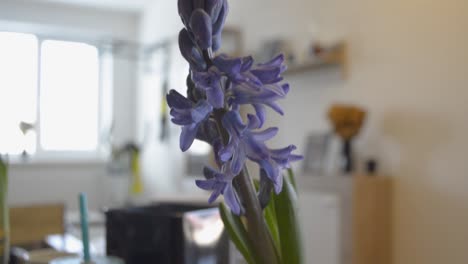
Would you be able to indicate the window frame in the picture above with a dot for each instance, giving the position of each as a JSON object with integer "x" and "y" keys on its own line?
{"x": 103, "y": 128}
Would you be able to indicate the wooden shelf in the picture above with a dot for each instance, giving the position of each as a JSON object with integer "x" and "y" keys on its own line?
{"x": 336, "y": 57}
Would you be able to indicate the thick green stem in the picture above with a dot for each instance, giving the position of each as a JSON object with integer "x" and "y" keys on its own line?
{"x": 257, "y": 229}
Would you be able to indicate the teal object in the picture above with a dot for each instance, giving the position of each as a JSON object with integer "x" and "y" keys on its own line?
{"x": 84, "y": 227}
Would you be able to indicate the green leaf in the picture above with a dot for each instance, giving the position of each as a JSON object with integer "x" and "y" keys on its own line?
{"x": 237, "y": 233}
{"x": 292, "y": 178}
{"x": 288, "y": 225}
{"x": 270, "y": 218}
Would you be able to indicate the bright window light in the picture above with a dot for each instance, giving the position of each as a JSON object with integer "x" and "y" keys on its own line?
{"x": 199, "y": 148}
{"x": 18, "y": 91}
{"x": 69, "y": 98}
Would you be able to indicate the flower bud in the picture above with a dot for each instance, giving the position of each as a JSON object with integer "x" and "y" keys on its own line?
{"x": 200, "y": 24}
{"x": 185, "y": 8}
{"x": 218, "y": 22}
{"x": 213, "y": 8}
{"x": 190, "y": 52}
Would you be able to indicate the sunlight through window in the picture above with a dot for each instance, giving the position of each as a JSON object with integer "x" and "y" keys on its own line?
{"x": 69, "y": 96}
{"x": 18, "y": 91}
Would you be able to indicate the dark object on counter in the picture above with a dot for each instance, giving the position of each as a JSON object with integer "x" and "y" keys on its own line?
{"x": 18, "y": 255}
{"x": 371, "y": 167}
{"x": 167, "y": 233}
{"x": 348, "y": 161}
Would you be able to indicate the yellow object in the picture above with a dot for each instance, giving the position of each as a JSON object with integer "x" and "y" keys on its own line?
{"x": 347, "y": 120}
{"x": 137, "y": 184}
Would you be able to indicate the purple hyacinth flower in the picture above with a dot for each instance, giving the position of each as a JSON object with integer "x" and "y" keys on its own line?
{"x": 209, "y": 20}
{"x": 237, "y": 70}
{"x": 270, "y": 72}
{"x": 267, "y": 95}
{"x": 200, "y": 24}
{"x": 188, "y": 115}
{"x": 278, "y": 159}
{"x": 258, "y": 86}
{"x": 221, "y": 183}
{"x": 243, "y": 141}
{"x": 211, "y": 83}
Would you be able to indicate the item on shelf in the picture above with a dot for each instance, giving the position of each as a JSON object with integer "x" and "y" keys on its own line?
{"x": 347, "y": 121}
{"x": 315, "y": 153}
{"x": 274, "y": 47}
{"x": 371, "y": 167}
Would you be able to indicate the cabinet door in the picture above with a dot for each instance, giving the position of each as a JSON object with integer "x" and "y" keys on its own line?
{"x": 320, "y": 222}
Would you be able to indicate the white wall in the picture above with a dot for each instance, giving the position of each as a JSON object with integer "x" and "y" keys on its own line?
{"x": 409, "y": 68}
{"x": 60, "y": 182}
{"x": 162, "y": 161}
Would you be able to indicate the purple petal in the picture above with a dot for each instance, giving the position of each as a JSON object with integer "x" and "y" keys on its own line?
{"x": 190, "y": 52}
{"x": 232, "y": 122}
{"x": 199, "y": 4}
{"x": 201, "y": 111}
{"x": 275, "y": 107}
{"x": 213, "y": 8}
{"x": 266, "y": 134}
{"x": 285, "y": 88}
{"x": 216, "y": 42}
{"x": 238, "y": 161}
{"x": 206, "y": 185}
{"x": 267, "y": 75}
{"x": 185, "y": 10}
{"x": 278, "y": 184}
{"x": 270, "y": 169}
{"x": 279, "y": 90}
{"x": 209, "y": 173}
{"x": 253, "y": 122}
{"x": 219, "y": 23}
{"x": 226, "y": 153}
{"x": 247, "y": 63}
{"x": 260, "y": 112}
{"x": 228, "y": 65}
{"x": 293, "y": 158}
{"x": 283, "y": 152}
{"x": 215, "y": 97}
{"x": 276, "y": 61}
{"x": 176, "y": 100}
{"x": 216, "y": 193}
{"x": 200, "y": 23}
{"x": 231, "y": 199}
{"x": 187, "y": 137}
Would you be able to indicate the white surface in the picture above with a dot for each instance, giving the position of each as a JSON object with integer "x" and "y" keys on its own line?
{"x": 320, "y": 222}
{"x": 129, "y": 5}
{"x": 337, "y": 188}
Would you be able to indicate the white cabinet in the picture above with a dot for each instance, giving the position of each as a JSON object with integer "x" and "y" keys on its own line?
{"x": 346, "y": 220}
{"x": 320, "y": 222}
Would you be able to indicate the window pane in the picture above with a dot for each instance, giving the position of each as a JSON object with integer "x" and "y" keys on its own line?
{"x": 18, "y": 91}
{"x": 69, "y": 96}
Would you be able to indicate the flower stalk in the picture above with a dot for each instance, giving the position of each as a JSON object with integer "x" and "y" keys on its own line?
{"x": 217, "y": 87}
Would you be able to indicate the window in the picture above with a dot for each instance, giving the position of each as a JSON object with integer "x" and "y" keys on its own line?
{"x": 49, "y": 95}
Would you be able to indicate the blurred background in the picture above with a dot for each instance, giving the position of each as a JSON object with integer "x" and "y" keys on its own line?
{"x": 82, "y": 87}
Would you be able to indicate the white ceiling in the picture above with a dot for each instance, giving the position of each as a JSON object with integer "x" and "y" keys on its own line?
{"x": 128, "y": 5}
